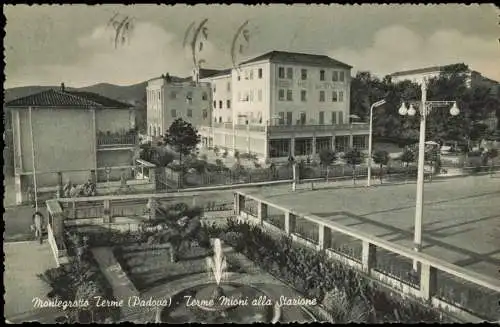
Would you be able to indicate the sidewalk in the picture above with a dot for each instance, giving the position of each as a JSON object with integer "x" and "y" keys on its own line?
{"x": 23, "y": 261}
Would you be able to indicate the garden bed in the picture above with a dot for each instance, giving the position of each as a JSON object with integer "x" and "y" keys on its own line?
{"x": 314, "y": 275}
{"x": 81, "y": 280}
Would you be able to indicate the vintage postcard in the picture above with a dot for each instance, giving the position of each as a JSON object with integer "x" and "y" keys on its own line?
{"x": 242, "y": 164}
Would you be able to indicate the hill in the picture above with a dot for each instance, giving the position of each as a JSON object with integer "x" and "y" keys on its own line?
{"x": 132, "y": 93}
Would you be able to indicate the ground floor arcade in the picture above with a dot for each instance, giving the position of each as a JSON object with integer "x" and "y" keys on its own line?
{"x": 278, "y": 146}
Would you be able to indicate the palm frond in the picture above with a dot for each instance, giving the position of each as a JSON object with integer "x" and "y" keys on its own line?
{"x": 186, "y": 34}
{"x": 246, "y": 35}
{"x": 112, "y": 20}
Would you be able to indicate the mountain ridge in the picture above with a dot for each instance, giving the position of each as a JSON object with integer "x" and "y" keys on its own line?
{"x": 134, "y": 94}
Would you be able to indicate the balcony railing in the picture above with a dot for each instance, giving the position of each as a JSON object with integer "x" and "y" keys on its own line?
{"x": 240, "y": 127}
{"x": 113, "y": 140}
{"x": 311, "y": 128}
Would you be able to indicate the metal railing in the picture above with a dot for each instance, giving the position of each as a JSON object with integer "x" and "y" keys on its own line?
{"x": 464, "y": 292}
{"x": 311, "y": 128}
{"x": 111, "y": 140}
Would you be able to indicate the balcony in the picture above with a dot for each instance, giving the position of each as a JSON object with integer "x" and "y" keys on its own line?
{"x": 318, "y": 128}
{"x": 115, "y": 140}
{"x": 240, "y": 127}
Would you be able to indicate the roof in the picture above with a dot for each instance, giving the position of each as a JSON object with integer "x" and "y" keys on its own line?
{"x": 420, "y": 70}
{"x": 59, "y": 98}
{"x": 204, "y": 73}
{"x": 298, "y": 58}
{"x": 219, "y": 73}
{"x": 173, "y": 79}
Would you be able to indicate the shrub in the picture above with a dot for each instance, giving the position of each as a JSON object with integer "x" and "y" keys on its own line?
{"x": 311, "y": 272}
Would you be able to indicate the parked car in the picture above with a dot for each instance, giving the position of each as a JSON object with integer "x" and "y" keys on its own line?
{"x": 446, "y": 148}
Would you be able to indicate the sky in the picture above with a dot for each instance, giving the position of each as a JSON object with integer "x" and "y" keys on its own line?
{"x": 50, "y": 44}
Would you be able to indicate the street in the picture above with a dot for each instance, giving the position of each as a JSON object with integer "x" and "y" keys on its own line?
{"x": 461, "y": 221}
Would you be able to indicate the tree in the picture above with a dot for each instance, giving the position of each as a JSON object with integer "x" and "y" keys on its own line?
{"x": 353, "y": 157}
{"x": 184, "y": 225}
{"x": 381, "y": 158}
{"x": 326, "y": 158}
{"x": 220, "y": 165}
{"x": 490, "y": 155}
{"x": 407, "y": 157}
{"x": 182, "y": 137}
{"x": 432, "y": 156}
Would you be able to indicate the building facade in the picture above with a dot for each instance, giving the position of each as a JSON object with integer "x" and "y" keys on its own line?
{"x": 76, "y": 134}
{"x": 222, "y": 96}
{"x": 286, "y": 104}
{"x": 171, "y": 98}
{"x": 473, "y": 79}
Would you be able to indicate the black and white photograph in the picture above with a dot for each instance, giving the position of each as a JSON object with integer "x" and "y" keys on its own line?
{"x": 270, "y": 163}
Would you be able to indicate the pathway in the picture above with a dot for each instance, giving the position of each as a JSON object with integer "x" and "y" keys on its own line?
{"x": 23, "y": 261}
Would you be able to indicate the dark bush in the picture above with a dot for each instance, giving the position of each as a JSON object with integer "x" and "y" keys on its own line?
{"x": 314, "y": 274}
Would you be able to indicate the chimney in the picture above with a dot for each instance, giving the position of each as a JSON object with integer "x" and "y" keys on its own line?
{"x": 62, "y": 87}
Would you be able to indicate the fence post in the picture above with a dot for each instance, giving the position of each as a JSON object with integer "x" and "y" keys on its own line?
{"x": 151, "y": 206}
{"x": 369, "y": 256}
{"x": 236, "y": 203}
{"x": 152, "y": 177}
{"x": 107, "y": 211}
{"x": 289, "y": 222}
{"x": 324, "y": 237}
{"x": 261, "y": 212}
{"x": 428, "y": 281}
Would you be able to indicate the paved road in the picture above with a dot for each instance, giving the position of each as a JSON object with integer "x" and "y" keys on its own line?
{"x": 23, "y": 261}
{"x": 461, "y": 215}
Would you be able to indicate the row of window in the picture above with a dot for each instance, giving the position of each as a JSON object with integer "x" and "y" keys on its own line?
{"x": 337, "y": 96}
{"x": 249, "y": 75}
{"x": 228, "y": 120}
{"x": 228, "y": 104}
{"x": 336, "y": 117}
{"x": 304, "y": 146}
{"x": 174, "y": 94}
{"x": 287, "y": 73}
{"x": 249, "y": 96}
{"x": 173, "y": 113}
{"x": 189, "y": 95}
{"x": 228, "y": 87}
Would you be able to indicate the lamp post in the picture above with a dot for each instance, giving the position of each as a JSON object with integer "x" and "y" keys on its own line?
{"x": 425, "y": 108}
{"x": 370, "y": 139}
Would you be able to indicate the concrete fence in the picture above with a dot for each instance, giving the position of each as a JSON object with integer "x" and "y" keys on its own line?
{"x": 466, "y": 293}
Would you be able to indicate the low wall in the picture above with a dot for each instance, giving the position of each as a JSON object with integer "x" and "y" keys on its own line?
{"x": 60, "y": 252}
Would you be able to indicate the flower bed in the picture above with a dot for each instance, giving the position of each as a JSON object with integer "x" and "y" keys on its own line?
{"x": 347, "y": 294}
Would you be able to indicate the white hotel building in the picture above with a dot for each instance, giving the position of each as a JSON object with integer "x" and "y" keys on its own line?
{"x": 281, "y": 104}
{"x": 169, "y": 98}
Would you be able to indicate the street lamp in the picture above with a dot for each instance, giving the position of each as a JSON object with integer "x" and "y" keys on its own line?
{"x": 370, "y": 139}
{"x": 425, "y": 108}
